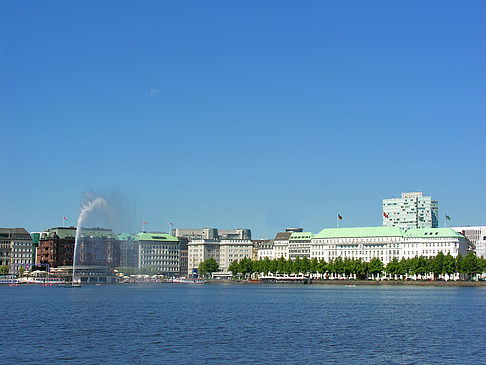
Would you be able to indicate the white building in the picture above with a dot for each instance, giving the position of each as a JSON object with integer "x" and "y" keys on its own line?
{"x": 265, "y": 250}
{"x": 386, "y": 243}
{"x": 16, "y": 248}
{"x": 281, "y": 244}
{"x": 159, "y": 251}
{"x": 412, "y": 210}
{"x": 477, "y": 236}
{"x": 223, "y": 251}
{"x": 299, "y": 244}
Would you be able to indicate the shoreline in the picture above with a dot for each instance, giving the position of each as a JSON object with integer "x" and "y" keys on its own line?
{"x": 368, "y": 282}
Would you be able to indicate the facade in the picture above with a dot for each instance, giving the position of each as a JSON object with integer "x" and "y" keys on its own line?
{"x": 160, "y": 252}
{"x": 386, "y": 243}
{"x": 201, "y": 250}
{"x": 412, "y": 210}
{"x": 265, "y": 250}
{"x": 128, "y": 249}
{"x": 477, "y": 236}
{"x": 223, "y": 251}
{"x": 15, "y": 248}
{"x": 212, "y": 233}
{"x": 56, "y": 247}
{"x": 281, "y": 244}
{"x": 299, "y": 244}
{"x": 98, "y": 247}
{"x": 233, "y": 250}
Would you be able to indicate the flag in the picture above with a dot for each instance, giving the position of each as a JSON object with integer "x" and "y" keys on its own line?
{"x": 145, "y": 222}
{"x": 64, "y": 218}
{"x": 448, "y": 218}
{"x": 385, "y": 215}
{"x": 172, "y": 224}
{"x": 340, "y": 218}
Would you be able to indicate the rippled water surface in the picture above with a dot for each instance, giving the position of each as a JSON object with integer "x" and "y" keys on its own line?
{"x": 264, "y": 324}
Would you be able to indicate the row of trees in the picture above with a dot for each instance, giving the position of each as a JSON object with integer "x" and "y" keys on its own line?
{"x": 417, "y": 266}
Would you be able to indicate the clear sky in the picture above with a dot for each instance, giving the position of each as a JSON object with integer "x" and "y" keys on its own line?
{"x": 241, "y": 114}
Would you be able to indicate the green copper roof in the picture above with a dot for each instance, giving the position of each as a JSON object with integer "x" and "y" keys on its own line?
{"x": 432, "y": 232}
{"x": 360, "y": 232}
{"x": 301, "y": 236}
{"x": 157, "y": 237}
{"x": 127, "y": 237}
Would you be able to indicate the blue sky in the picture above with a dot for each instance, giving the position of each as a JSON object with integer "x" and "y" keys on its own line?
{"x": 249, "y": 114}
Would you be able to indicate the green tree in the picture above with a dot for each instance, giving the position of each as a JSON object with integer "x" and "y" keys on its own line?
{"x": 375, "y": 266}
{"x": 208, "y": 266}
{"x": 449, "y": 265}
{"x": 296, "y": 265}
{"x": 281, "y": 263}
{"x": 338, "y": 265}
{"x": 3, "y": 269}
{"x": 273, "y": 266}
{"x": 470, "y": 264}
{"x": 314, "y": 265}
{"x": 393, "y": 267}
{"x": 266, "y": 266}
{"x": 233, "y": 267}
{"x": 245, "y": 266}
{"x": 305, "y": 265}
{"x": 437, "y": 265}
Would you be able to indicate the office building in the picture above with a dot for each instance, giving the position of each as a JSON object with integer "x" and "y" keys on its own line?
{"x": 15, "y": 248}
{"x": 386, "y": 243}
{"x": 159, "y": 252}
{"x": 412, "y": 210}
{"x": 477, "y": 236}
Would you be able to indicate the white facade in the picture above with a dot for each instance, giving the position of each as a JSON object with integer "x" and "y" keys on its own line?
{"x": 223, "y": 251}
{"x": 477, "y": 236}
{"x": 265, "y": 250}
{"x": 412, "y": 210}
{"x": 281, "y": 249}
{"x": 233, "y": 250}
{"x": 386, "y": 243}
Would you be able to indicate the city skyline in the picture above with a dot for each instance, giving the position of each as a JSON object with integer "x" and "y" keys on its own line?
{"x": 260, "y": 116}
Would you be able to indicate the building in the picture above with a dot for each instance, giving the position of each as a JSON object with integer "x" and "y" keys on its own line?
{"x": 15, "y": 248}
{"x": 212, "y": 233}
{"x": 97, "y": 247}
{"x": 265, "y": 250}
{"x": 281, "y": 243}
{"x": 223, "y": 251}
{"x": 386, "y": 243}
{"x": 233, "y": 250}
{"x": 299, "y": 244}
{"x": 159, "y": 252}
{"x": 412, "y": 210}
{"x": 477, "y": 236}
{"x": 200, "y": 250}
{"x": 128, "y": 249}
{"x": 56, "y": 247}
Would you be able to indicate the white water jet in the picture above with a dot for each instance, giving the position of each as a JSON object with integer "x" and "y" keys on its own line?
{"x": 86, "y": 208}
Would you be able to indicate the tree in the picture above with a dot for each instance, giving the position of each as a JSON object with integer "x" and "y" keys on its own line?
{"x": 21, "y": 270}
{"x": 208, "y": 266}
{"x": 305, "y": 265}
{"x": 470, "y": 264}
{"x": 233, "y": 267}
{"x": 314, "y": 265}
{"x": 3, "y": 269}
{"x": 437, "y": 265}
{"x": 449, "y": 265}
{"x": 393, "y": 267}
{"x": 296, "y": 265}
{"x": 245, "y": 266}
{"x": 375, "y": 266}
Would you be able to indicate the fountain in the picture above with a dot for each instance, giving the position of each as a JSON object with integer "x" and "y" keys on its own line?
{"x": 92, "y": 202}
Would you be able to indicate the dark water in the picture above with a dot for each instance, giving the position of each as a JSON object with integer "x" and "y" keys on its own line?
{"x": 264, "y": 324}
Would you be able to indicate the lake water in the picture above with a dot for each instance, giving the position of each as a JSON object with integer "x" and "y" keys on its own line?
{"x": 264, "y": 324}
